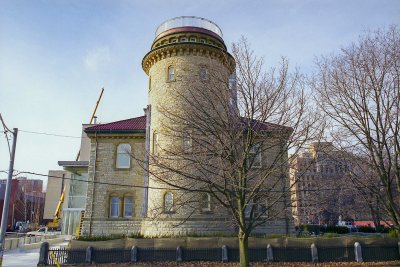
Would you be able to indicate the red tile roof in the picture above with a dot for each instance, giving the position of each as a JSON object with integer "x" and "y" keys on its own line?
{"x": 137, "y": 124}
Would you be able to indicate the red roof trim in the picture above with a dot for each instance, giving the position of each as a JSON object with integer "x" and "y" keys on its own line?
{"x": 128, "y": 125}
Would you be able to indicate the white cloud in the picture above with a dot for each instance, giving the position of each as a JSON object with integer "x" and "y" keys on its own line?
{"x": 97, "y": 58}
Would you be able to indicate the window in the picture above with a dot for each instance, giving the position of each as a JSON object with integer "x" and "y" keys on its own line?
{"x": 187, "y": 142}
{"x": 231, "y": 81}
{"x": 203, "y": 74}
{"x": 205, "y": 202}
{"x": 183, "y": 39}
{"x": 193, "y": 39}
{"x": 261, "y": 209}
{"x": 202, "y": 41}
{"x": 128, "y": 206}
{"x": 168, "y": 202}
{"x": 171, "y": 73}
{"x": 114, "y": 207}
{"x": 123, "y": 156}
{"x": 173, "y": 40}
{"x": 155, "y": 143}
{"x": 255, "y": 156}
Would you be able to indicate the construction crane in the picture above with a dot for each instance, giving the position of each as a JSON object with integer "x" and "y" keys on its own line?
{"x": 57, "y": 214}
{"x": 93, "y": 116}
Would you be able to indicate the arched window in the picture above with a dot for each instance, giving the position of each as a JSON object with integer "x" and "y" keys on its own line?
{"x": 114, "y": 206}
{"x": 168, "y": 202}
{"x": 123, "y": 156}
{"x": 155, "y": 143}
{"x": 128, "y": 206}
{"x": 205, "y": 202}
{"x": 171, "y": 73}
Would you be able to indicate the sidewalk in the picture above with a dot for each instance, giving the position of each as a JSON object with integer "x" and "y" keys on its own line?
{"x": 27, "y": 258}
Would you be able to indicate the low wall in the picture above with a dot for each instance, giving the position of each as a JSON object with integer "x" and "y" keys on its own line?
{"x": 14, "y": 243}
{"x": 232, "y": 242}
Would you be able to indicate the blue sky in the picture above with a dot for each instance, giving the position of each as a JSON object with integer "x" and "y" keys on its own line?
{"x": 56, "y": 55}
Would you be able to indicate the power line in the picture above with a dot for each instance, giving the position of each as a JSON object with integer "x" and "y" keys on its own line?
{"x": 169, "y": 188}
{"x": 50, "y": 134}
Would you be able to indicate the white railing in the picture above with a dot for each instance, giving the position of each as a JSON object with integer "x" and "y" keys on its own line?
{"x": 188, "y": 21}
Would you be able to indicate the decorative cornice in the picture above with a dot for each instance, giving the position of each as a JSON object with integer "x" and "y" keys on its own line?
{"x": 187, "y": 48}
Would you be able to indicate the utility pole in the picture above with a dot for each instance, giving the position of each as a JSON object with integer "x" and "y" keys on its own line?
{"x": 7, "y": 196}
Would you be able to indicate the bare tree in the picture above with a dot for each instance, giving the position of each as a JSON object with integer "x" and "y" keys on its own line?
{"x": 359, "y": 91}
{"x": 233, "y": 148}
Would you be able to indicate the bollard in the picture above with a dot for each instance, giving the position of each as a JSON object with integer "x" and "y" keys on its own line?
{"x": 134, "y": 254}
{"x": 358, "y": 252}
{"x": 314, "y": 253}
{"x": 270, "y": 254}
{"x": 224, "y": 253}
{"x": 89, "y": 252}
{"x": 44, "y": 253}
{"x": 179, "y": 254}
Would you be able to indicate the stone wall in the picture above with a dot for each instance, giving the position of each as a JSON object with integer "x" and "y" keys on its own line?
{"x": 106, "y": 180}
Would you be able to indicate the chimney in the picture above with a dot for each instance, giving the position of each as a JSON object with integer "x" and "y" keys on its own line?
{"x": 95, "y": 120}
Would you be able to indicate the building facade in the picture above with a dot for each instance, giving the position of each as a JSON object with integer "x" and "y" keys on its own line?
{"x": 123, "y": 194}
{"x": 322, "y": 189}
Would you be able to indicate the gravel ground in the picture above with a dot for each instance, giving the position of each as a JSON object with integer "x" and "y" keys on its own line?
{"x": 257, "y": 264}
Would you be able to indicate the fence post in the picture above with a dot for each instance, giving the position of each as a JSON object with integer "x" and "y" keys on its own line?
{"x": 358, "y": 252}
{"x": 270, "y": 254}
{"x": 89, "y": 252}
{"x": 179, "y": 254}
{"x": 44, "y": 253}
{"x": 134, "y": 254}
{"x": 399, "y": 247}
{"x": 224, "y": 253}
{"x": 314, "y": 253}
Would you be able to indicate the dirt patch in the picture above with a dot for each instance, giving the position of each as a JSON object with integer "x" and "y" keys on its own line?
{"x": 256, "y": 264}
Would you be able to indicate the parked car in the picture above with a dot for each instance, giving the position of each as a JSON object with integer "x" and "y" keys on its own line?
{"x": 42, "y": 231}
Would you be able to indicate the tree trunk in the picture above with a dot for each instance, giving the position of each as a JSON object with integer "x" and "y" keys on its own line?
{"x": 244, "y": 249}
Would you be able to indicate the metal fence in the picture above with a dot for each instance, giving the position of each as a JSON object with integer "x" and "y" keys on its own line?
{"x": 280, "y": 254}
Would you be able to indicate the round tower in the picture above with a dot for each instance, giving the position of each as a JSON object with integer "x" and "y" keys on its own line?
{"x": 187, "y": 58}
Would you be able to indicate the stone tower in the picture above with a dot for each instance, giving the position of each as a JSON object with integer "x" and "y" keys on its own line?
{"x": 186, "y": 53}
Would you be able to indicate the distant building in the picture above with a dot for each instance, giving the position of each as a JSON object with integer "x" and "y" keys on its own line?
{"x": 320, "y": 187}
{"x": 26, "y": 201}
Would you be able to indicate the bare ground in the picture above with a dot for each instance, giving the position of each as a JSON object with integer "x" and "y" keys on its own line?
{"x": 256, "y": 264}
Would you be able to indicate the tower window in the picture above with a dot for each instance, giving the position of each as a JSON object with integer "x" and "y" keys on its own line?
{"x": 149, "y": 83}
{"x": 155, "y": 143}
{"x": 187, "y": 142}
{"x": 171, "y": 73}
{"x": 168, "y": 202}
{"x": 123, "y": 156}
{"x": 205, "y": 202}
{"x": 203, "y": 74}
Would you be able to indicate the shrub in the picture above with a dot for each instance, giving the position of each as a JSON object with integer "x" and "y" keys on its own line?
{"x": 366, "y": 229}
{"x": 99, "y": 237}
{"x": 393, "y": 233}
{"x": 337, "y": 229}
